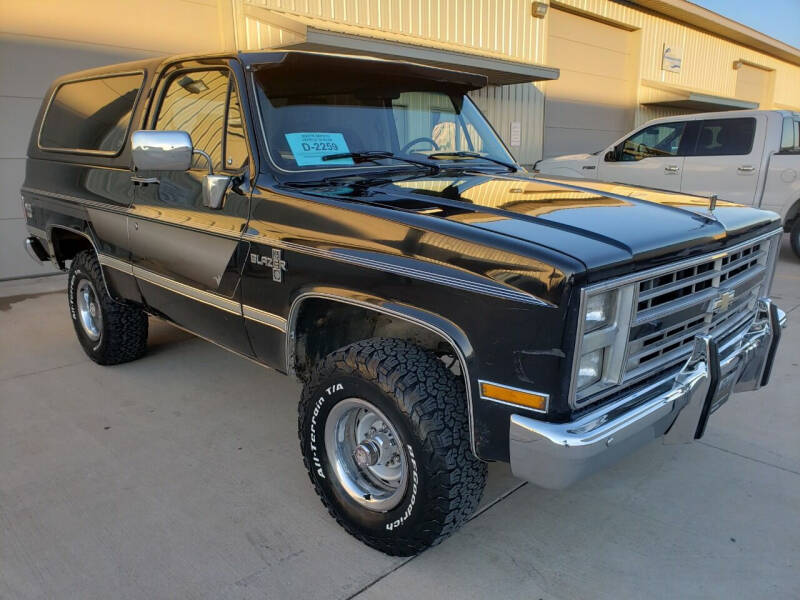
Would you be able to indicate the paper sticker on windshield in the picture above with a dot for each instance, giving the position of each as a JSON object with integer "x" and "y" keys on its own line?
{"x": 310, "y": 147}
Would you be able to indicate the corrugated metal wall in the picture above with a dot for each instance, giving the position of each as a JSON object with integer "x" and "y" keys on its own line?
{"x": 523, "y": 103}
{"x": 707, "y": 59}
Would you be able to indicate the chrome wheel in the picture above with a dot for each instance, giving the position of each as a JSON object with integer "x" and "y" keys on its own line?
{"x": 89, "y": 314}
{"x": 366, "y": 454}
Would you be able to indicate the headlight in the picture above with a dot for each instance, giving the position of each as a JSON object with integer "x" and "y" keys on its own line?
{"x": 600, "y": 310}
{"x": 600, "y": 352}
{"x": 590, "y": 368}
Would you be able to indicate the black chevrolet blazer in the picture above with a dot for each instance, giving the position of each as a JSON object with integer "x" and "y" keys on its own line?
{"x": 357, "y": 223}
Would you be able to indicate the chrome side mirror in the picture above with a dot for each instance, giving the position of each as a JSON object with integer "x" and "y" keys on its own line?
{"x": 161, "y": 150}
{"x": 172, "y": 151}
{"x": 214, "y": 188}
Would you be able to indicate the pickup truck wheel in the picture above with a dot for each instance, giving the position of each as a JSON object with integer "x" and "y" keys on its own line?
{"x": 794, "y": 237}
{"x": 110, "y": 332}
{"x": 384, "y": 432}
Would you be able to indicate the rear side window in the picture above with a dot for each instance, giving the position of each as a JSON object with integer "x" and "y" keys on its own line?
{"x": 91, "y": 115}
{"x": 725, "y": 137}
{"x": 790, "y": 140}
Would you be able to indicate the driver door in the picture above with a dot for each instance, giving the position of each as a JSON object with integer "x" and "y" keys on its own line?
{"x": 649, "y": 158}
{"x": 188, "y": 257}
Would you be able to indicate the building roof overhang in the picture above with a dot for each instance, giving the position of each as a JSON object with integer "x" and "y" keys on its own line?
{"x": 318, "y": 35}
{"x": 687, "y": 99}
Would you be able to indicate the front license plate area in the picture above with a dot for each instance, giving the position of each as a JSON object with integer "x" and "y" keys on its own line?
{"x": 724, "y": 391}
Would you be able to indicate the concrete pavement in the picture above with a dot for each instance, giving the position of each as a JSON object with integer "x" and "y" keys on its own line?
{"x": 179, "y": 476}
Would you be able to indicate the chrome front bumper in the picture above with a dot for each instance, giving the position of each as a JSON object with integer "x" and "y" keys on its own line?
{"x": 554, "y": 455}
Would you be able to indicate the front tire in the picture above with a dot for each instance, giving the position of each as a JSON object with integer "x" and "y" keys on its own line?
{"x": 384, "y": 433}
{"x": 110, "y": 332}
{"x": 794, "y": 237}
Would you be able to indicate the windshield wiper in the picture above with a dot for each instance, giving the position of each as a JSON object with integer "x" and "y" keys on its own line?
{"x": 375, "y": 155}
{"x": 464, "y": 154}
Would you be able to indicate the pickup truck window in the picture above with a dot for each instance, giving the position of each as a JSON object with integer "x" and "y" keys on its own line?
{"x": 90, "y": 115}
{"x": 303, "y": 126}
{"x": 790, "y": 140}
{"x": 725, "y": 137}
{"x": 663, "y": 139}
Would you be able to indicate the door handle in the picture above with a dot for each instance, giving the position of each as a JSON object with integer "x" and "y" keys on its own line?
{"x": 671, "y": 169}
{"x": 746, "y": 169}
{"x": 143, "y": 180}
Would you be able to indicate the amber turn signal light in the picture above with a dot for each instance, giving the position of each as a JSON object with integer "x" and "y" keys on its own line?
{"x": 501, "y": 393}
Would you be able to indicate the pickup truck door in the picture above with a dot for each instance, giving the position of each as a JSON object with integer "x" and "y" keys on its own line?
{"x": 726, "y": 158}
{"x": 188, "y": 257}
{"x": 649, "y": 158}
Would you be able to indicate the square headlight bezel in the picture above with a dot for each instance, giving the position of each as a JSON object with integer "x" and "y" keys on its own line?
{"x": 611, "y": 337}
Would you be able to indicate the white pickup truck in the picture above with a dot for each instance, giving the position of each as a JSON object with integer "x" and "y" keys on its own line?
{"x": 746, "y": 156}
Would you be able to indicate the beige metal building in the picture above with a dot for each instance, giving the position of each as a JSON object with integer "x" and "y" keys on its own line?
{"x": 565, "y": 76}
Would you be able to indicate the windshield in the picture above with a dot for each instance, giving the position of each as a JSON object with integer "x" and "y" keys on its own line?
{"x": 305, "y": 128}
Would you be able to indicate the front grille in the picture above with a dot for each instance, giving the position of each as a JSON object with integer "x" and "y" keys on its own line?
{"x": 715, "y": 297}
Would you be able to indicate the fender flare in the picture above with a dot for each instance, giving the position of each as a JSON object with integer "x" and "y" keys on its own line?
{"x": 83, "y": 234}
{"x": 437, "y": 324}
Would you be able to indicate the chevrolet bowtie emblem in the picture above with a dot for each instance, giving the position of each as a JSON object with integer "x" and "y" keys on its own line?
{"x": 723, "y": 301}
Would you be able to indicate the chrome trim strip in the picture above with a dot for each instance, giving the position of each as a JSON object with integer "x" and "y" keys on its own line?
{"x": 291, "y": 340}
{"x": 116, "y": 152}
{"x": 115, "y": 263}
{"x": 263, "y": 317}
{"x": 516, "y": 389}
{"x": 488, "y": 289}
{"x": 689, "y": 262}
{"x": 187, "y": 291}
{"x": 215, "y": 300}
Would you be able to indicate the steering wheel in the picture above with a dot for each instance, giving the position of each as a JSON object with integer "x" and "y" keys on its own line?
{"x": 415, "y": 141}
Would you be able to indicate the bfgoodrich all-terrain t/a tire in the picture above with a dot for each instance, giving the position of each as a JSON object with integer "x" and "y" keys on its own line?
{"x": 110, "y": 332}
{"x": 384, "y": 432}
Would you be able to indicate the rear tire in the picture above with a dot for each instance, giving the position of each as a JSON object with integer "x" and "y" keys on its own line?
{"x": 110, "y": 332}
{"x": 794, "y": 237}
{"x": 417, "y": 480}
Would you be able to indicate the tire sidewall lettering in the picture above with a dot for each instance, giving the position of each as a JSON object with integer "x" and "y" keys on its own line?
{"x": 315, "y": 439}
{"x": 73, "y": 281}
{"x": 414, "y": 487}
{"x": 327, "y": 394}
{"x": 76, "y": 274}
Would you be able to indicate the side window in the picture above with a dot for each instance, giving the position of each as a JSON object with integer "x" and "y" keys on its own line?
{"x": 195, "y": 102}
{"x": 235, "y": 140}
{"x": 790, "y": 140}
{"x": 90, "y": 115}
{"x": 725, "y": 137}
{"x": 663, "y": 139}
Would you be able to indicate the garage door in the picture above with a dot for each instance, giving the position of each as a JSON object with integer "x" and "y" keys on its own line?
{"x": 592, "y": 102}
